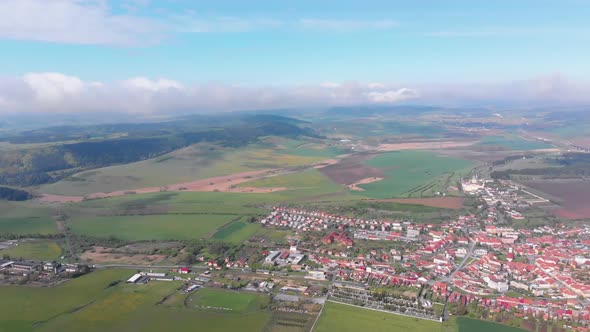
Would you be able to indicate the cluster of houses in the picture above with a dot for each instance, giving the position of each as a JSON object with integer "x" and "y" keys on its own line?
{"x": 538, "y": 264}
{"x": 302, "y": 220}
{"x": 477, "y": 256}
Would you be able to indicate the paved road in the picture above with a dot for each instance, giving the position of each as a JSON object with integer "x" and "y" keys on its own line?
{"x": 462, "y": 264}
{"x": 459, "y": 267}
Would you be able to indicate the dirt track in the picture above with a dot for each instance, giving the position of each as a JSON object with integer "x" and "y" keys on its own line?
{"x": 355, "y": 185}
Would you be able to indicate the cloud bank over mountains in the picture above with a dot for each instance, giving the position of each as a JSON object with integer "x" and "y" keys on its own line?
{"x": 59, "y": 93}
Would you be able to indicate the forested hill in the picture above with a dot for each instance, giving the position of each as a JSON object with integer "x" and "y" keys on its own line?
{"x": 10, "y": 194}
{"x": 34, "y": 166}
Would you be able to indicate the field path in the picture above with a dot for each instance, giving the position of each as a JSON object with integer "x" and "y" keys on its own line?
{"x": 355, "y": 185}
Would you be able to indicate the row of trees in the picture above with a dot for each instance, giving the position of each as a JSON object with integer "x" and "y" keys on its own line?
{"x": 11, "y": 194}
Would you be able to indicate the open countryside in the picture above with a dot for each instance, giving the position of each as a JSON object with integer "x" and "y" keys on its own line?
{"x": 301, "y": 166}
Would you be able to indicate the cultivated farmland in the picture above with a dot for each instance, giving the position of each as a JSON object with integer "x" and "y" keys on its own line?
{"x": 513, "y": 143}
{"x": 26, "y": 218}
{"x": 200, "y": 161}
{"x": 572, "y": 195}
{"x": 413, "y": 174}
{"x": 352, "y": 169}
{"x": 305, "y": 185}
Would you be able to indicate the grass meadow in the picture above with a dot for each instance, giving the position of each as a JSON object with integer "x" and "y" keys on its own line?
{"x": 237, "y": 232}
{"x": 240, "y": 302}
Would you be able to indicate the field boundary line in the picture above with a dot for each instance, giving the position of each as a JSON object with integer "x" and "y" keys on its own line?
{"x": 318, "y": 317}
{"x": 385, "y": 311}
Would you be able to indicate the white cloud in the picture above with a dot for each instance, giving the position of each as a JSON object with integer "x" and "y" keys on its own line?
{"x": 59, "y": 93}
{"x": 50, "y": 87}
{"x": 376, "y": 85}
{"x": 392, "y": 96}
{"x": 74, "y": 22}
{"x": 152, "y": 85}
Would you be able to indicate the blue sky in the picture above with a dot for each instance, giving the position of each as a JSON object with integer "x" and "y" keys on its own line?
{"x": 294, "y": 43}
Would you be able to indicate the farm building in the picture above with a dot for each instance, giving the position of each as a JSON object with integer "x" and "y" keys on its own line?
{"x": 134, "y": 278}
{"x": 25, "y": 267}
{"x": 138, "y": 279}
{"x": 5, "y": 264}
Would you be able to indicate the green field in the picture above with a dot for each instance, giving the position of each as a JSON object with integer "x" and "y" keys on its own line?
{"x": 172, "y": 203}
{"x": 513, "y": 143}
{"x": 344, "y": 318}
{"x": 89, "y": 304}
{"x": 150, "y": 227}
{"x": 413, "y": 174}
{"x": 306, "y": 185}
{"x": 44, "y": 250}
{"x": 399, "y": 207}
{"x": 240, "y": 302}
{"x": 192, "y": 163}
{"x": 25, "y": 218}
{"x": 466, "y": 324}
{"x": 237, "y": 232}
{"x": 290, "y": 322}
{"x": 304, "y": 148}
